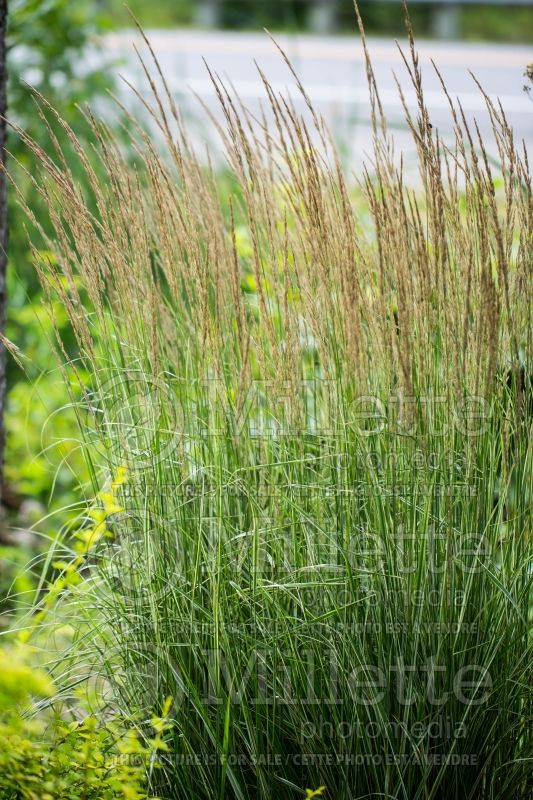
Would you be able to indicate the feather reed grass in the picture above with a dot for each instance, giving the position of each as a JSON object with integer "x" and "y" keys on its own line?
{"x": 324, "y": 409}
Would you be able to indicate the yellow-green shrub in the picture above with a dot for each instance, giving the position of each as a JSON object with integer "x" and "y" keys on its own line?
{"x": 44, "y": 756}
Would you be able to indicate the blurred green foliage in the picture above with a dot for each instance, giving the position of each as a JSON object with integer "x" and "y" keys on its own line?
{"x": 484, "y": 21}
{"x": 164, "y": 13}
{"x": 48, "y": 52}
{"x": 53, "y": 49}
{"x": 497, "y": 24}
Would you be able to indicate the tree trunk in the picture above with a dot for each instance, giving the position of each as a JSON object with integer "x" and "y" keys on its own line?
{"x": 3, "y": 227}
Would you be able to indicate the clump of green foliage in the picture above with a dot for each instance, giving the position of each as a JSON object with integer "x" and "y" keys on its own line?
{"x": 44, "y": 755}
{"x": 51, "y": 746}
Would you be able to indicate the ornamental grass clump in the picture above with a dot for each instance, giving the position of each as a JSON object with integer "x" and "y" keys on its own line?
{"x": 321, "y": 396}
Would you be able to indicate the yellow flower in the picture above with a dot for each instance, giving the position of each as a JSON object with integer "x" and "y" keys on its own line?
{"x": 89, "y": 537}
{"x": 167, "y": 705}
{"x": 314, "y": 792}
{"x": 98, "y": 514}
{"x": 87, "y": 540}
{"x": 110, "y": 504}
{"x": 120, "y": 477}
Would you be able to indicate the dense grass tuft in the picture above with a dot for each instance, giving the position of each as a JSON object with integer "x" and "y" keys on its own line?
{"x": 322, "y": 397}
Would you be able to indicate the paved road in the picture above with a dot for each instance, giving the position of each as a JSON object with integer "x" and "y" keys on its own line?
{"x": 332, "y": 69}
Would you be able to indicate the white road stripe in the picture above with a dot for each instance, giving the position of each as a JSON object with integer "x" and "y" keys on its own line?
{"x": 344, "y": 49}
{"x": 345, "y": 94}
